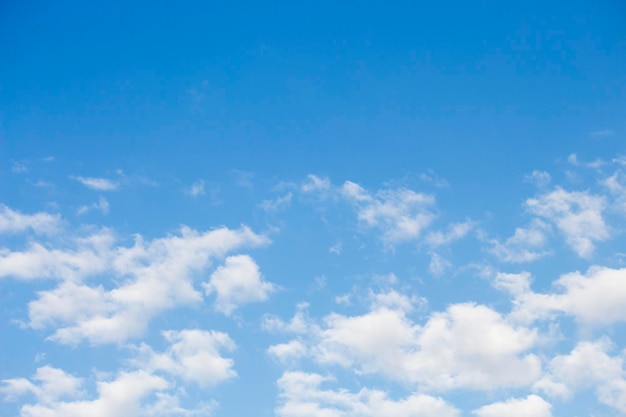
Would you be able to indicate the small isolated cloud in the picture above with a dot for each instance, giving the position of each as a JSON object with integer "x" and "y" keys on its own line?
{"x": 526, "y": 244}
{"x": 438, "y": 265}
{"x": 577, "y": 215}
{"x": 196, "y": 189}
{"x": 19, "y": 167}
{"x": 336, "y": 249}
{"x": 102, "y": 205}
{"x": 531, "y": 406}
{"x": 453, "y": 232}
{"x": 277, "y": 204}
{"x": 540, "y": 178}
{"x": 429, "y": 177}
{"x": 12, "y": 221}
{"x": 401, "y": 214}
{"x": 602, "y": 133}
{"x": 237, "y": 282}
{"x": 289, "y": 352}
{"x": 315, "y": 183}
{"x": 573, "y": 159}
{"x": 100, "y": 184}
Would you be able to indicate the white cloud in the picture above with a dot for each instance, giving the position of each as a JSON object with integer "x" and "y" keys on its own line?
{"x": 100, "y": 184}
{"x": 596, "y": 298}
{"x": 298, "y": 324}
{"x": 237, "y": 282}
{"x": 539, "y": 178}
{"x": 193, "y": 355}
{"x": 153, "y": 277}
{"x": 430, "y": 177}
{"x": 438, "y": 265}
{"x": 288, "y": 352}
{"x": 101, "y": 205}
{"x": 578, "y": 215}
{"x": 453, "y": 232}
{"x": 89, "y": 256}
{"x": 276, "y": 204}
{"x": 315, "y": 183}
{"x": 467, "y": 346}
{"x": 588, "y": 365}
{"x": 52, "y": 384}
{"x": 196, "y": 189}
{"x": 301, "y": 395}
{"x": 531, "y": 406}
{"x": 401, "y": 214}
{"x": 12, "y": 221}
{"x": 526, "y": 244}
{"x": 336, "y": 249}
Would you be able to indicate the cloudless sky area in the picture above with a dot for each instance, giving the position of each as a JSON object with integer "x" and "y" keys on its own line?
{"x": 312, "y": 209}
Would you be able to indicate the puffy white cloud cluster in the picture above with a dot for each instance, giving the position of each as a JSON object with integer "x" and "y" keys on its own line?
{"x": 145, "y": 390}
{"x": 301, "y": 395}
{"x": 466, "y": 346}
{"x": 142, "y": 280}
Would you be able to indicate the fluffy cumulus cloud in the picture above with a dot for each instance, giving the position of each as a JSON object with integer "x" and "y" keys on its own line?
{"x": 597, "y": 298}
{"x": 123, "y": 396}
{"x": 401, "y": 214}
{"x": 193, "y": 355}
{"x": 588, "y": 365}
{"x": 12, "y": 221}
{"x": 577, "y": 215}
{"x": 301, "y": 395}
{"x": 531, "y": 406}
{"x": 148, "y": 389}
{"x": 467, "y": 346}
{"x": 150, "y": 277}
{"x": 237, "y": 282}
{"x": 526, "y": 244}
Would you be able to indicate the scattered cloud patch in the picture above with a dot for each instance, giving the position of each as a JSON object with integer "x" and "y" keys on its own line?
{"x": 577, "y": 215}
{"x": 315, "y": 183}
{"x": 193, "y": 355}
{"x": 301, "y": 394}
{"x": 602, "y": 133}
{"x": 429, "y": 177}
{"x": 453, "y": 232}
{"x": 237, "y": 282}
{"x": 12, "y": 222}
{"x": 277, "y": 204}
{"x": 400, "y": 214}
{"x": 196, "y": 189}
{"x": 155, "y": 276}
{"x": 531, "y": 406}
{"x": 526, "y": 244}
{"x": 540, "y": 178}
{"x": 102, "y": 205}
{"x": 99, "y": 184}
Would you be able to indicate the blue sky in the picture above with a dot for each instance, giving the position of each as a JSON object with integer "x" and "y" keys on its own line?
{"x": 312, "y": 209}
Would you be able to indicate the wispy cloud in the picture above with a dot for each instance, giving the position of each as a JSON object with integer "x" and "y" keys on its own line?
{"x": 196, "y": 189}
{"x": 100, "y": 184}
{"x": 602, "y": 133}
{"x": 102, "y": 205}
